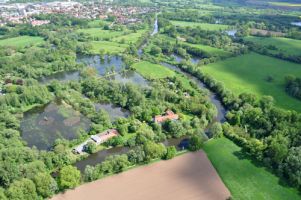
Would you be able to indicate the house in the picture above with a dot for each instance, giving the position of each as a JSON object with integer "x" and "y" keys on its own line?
{"x": 81, "y": 148}
{"x": 169, "y": 115}
{"x": 108, "y": 134}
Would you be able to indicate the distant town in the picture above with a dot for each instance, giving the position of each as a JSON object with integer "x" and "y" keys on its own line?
{"x": 20, "y": 13}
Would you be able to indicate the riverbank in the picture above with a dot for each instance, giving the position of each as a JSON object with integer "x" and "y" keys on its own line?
{"x": 190, "y": 176}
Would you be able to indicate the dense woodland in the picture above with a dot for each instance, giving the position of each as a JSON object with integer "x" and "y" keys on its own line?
{"x": 270, "y": 134}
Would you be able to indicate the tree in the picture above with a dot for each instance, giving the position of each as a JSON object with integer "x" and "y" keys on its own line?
{"x": 216, "y": 130}
{"x": 46, "y": 186}
{"x": 170, "y": 152}
{"x": 23, "y": 189}
{"x": 153, "y": 150}
{"x": 155, "y": 50}
{"x": 90, "y": 147}
{"x": 195, "y": 143}
{"x": 69, "y": 177}
{"x": 2, "y": 194}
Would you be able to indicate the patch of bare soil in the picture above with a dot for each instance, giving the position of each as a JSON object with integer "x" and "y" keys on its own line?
{"x": 187, "y": 177}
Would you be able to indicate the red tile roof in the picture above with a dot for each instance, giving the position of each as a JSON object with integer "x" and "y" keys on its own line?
{"x": 169, "y": 115}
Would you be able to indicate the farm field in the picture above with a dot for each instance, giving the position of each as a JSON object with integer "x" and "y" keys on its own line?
{"x": 286, "y": 45}
{"x": 242, "y": 176}
{"x": 190, "y": 176}
{"x": 205, "y": 26}
{"x": 21, "y": 41}
{"x": 249, "y": 73}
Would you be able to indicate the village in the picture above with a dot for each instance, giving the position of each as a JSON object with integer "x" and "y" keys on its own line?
{"x": 21, "y": 13}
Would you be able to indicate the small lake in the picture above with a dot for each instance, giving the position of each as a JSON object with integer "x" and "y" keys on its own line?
{"x": 107, "y": 64}
{"x": 41, "y": 126}
{"x": 129, "y": 77}
{"x": 114, "y": 112}
{"x": 98, "y": 157}
{"x": 296, "y": 23}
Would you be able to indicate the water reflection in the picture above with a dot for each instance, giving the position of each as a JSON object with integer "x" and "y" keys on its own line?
{"x": 41, "y": 126}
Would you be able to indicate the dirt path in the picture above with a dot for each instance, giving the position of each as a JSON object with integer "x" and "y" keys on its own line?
{"x": 187, "y": 177}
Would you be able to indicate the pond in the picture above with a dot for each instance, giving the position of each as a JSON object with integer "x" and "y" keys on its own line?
{"x": 41, "y": 126}
{"x": 129, "y": 77}
{"x": 103, "y": 66}
{"x": 114, "y": 112}
{"x": 98, "y": 157}
{"x": 296, "y": 23}
{"x": 61, "y": 76}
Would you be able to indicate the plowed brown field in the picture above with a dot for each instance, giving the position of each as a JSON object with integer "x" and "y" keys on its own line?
{"x": 187, "y": 177}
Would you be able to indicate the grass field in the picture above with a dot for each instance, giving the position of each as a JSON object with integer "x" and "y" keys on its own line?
{"x": 99, "y": 32}
{"x": 205, "y": 26}
{"x": 155, "y": 71}
{"x": 286, "y": 45}
{"x": 108, "y": 47}
{"x": 21, "y": 41}
{"x": 248, "y": 73}
{"x": 244, "y": 179}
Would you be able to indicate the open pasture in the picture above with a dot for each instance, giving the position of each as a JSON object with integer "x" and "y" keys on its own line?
{"x": 205, "y": 26}
{"x": 21, "y": 41}
{"x": 286, "y": 45}
{"x": 245, "y": 178}
{"x": 249, "y": 73}
{"x": 190, "y": 177}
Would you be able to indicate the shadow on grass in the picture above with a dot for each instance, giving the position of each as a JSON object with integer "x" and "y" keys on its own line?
{"x": 244, "y": 155}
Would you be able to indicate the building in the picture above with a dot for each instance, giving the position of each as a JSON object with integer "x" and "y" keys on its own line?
{"x": 169, "y": 115}
{"x": 97, "y": 139}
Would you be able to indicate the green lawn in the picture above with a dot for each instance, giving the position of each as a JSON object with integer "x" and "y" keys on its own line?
{"x": 155, "y": 71}
{"x": 21, "y": 41}
{"x": 130, "y": 38}
{"x": 286, "y": 45}
{"x": 205, "y": 26}
{"x": 248, "y": 73}
{"x": 244, "y": 179}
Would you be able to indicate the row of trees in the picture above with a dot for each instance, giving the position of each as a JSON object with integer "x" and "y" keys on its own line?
{"x": 293, "y": 86}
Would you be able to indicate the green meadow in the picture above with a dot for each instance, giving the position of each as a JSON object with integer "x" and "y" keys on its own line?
{"x": 21, "y": 41}
{"x": 100, "y": 33}
{"x": 156, "y": 71}
{"x": 244, "y": 177}
{"x": 205, "y": 26}
{"x": 249, "y": 73}
{"x": 286, "y": 45}
{"x": 108, "y": 47}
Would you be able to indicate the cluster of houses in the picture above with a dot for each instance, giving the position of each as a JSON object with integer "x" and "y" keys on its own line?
{"x": 97, "y": 139}
{"x": 24, "y": 12}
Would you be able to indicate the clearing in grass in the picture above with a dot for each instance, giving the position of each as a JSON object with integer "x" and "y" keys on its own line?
{"x": 258, "y": 74}
{"x": 21, "y": 41}
{"x": 243, "y": 177}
